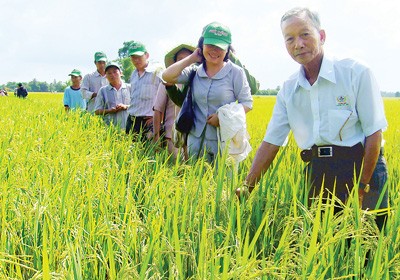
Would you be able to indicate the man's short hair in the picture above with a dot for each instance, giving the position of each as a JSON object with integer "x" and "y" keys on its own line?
{"x": 300, "y": 11}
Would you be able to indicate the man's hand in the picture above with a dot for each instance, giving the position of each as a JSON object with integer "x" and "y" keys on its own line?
{"x": 121, "y": 107}
{"x": 244, "y": 191}
{"x": 149, "y": 121}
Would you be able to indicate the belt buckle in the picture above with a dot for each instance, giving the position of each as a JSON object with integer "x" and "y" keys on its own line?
{"x": 325, "y": 151}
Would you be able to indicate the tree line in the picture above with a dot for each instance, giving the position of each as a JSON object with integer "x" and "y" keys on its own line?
{"x": 59, "y": 86}
{"x": 37, "y": 86}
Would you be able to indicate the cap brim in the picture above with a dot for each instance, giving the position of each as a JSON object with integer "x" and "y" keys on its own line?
{"x": 75, "y": 75}
{"x": 170, "y": 56}
{"x": 110, "y": 66}
{"x": 139, "y": 53}
{"x": 101, "y": 59}
{"x": 215, "y": 42}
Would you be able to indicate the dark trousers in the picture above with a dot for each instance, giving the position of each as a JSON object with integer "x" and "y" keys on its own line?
{"x": 137, "y": 126}
{"x": 334, "y": 174}
{"x": 339, "y": 173}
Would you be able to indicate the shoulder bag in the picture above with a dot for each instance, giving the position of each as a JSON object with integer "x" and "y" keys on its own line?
{"x": 185, "y": 119}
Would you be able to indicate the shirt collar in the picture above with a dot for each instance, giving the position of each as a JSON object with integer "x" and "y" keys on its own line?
{"x": 153, "y": 67}
{"x": 221, "y": 74}
{"x": 326, "y": 72}
{"x": 110, "y": 87}
{"x": 96, "y": 73}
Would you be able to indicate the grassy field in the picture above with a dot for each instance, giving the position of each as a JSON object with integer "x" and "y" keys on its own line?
{"x": 81, "y": 201}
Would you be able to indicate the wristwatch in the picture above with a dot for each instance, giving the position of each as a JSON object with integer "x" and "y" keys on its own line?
{"x": 365, "y": 187}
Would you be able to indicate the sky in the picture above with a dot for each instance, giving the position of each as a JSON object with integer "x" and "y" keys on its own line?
{"x": 45, "y": 40}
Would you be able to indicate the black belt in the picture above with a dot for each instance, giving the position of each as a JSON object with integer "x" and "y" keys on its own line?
{"x": 333, "y": 152}
{"x": 138, "y": 118}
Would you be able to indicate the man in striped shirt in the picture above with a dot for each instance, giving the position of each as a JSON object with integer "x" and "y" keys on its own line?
{"x": 94, "y": 81}
{"x": 144, "y": 84}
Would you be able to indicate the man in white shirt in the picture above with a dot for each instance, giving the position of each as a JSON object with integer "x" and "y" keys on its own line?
{"x": 335, "y": 111}
{"x": 94, "y": 81}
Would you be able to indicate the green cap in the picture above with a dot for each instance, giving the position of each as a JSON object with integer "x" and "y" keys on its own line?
{"x": 218, "y": 35}
{"x": 171, "y": 55}
{"x": 100, "y": 56}
{"x": 112, "y": 64}
{"x": 75, "y": 73}
{"x": 137, "y": 48}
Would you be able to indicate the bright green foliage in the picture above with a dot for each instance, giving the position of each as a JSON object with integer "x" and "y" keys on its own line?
{"x": 79, "y": 200}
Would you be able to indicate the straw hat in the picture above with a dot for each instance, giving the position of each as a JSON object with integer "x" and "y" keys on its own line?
{"x": 170, "y": 56}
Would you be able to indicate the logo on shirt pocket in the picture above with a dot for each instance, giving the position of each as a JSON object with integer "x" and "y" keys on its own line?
{"x": 342, "y": 100}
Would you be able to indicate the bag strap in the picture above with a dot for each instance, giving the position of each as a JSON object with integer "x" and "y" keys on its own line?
{"x": 190, "y": 84}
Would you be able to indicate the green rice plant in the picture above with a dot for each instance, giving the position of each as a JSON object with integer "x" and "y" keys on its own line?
{"x": 79, "y": 200}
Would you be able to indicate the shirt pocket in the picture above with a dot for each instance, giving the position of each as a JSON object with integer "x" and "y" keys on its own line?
{"x": 148, "y": 92}
{"x": 341, "y": 124}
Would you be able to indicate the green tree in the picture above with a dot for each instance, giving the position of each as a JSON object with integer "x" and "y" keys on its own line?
{"x": 268, "y": 91}
{"x": 33, "y": 86}
{"x": 11, "y": 86}
{"x": 58, "y": 86}
{"x": 127, "y": 68}
{"x": 43, "y": 87}
{"x": 124, "y": 51}
{"x": 125, "y": 61}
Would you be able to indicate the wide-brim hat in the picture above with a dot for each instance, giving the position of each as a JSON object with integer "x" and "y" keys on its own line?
{"x": 170, "y": 56}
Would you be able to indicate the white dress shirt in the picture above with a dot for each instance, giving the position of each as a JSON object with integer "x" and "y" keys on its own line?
{"x": 341, "y": 108}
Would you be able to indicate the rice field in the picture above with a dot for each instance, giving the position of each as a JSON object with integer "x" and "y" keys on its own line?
{"x": 79, "y": 200}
